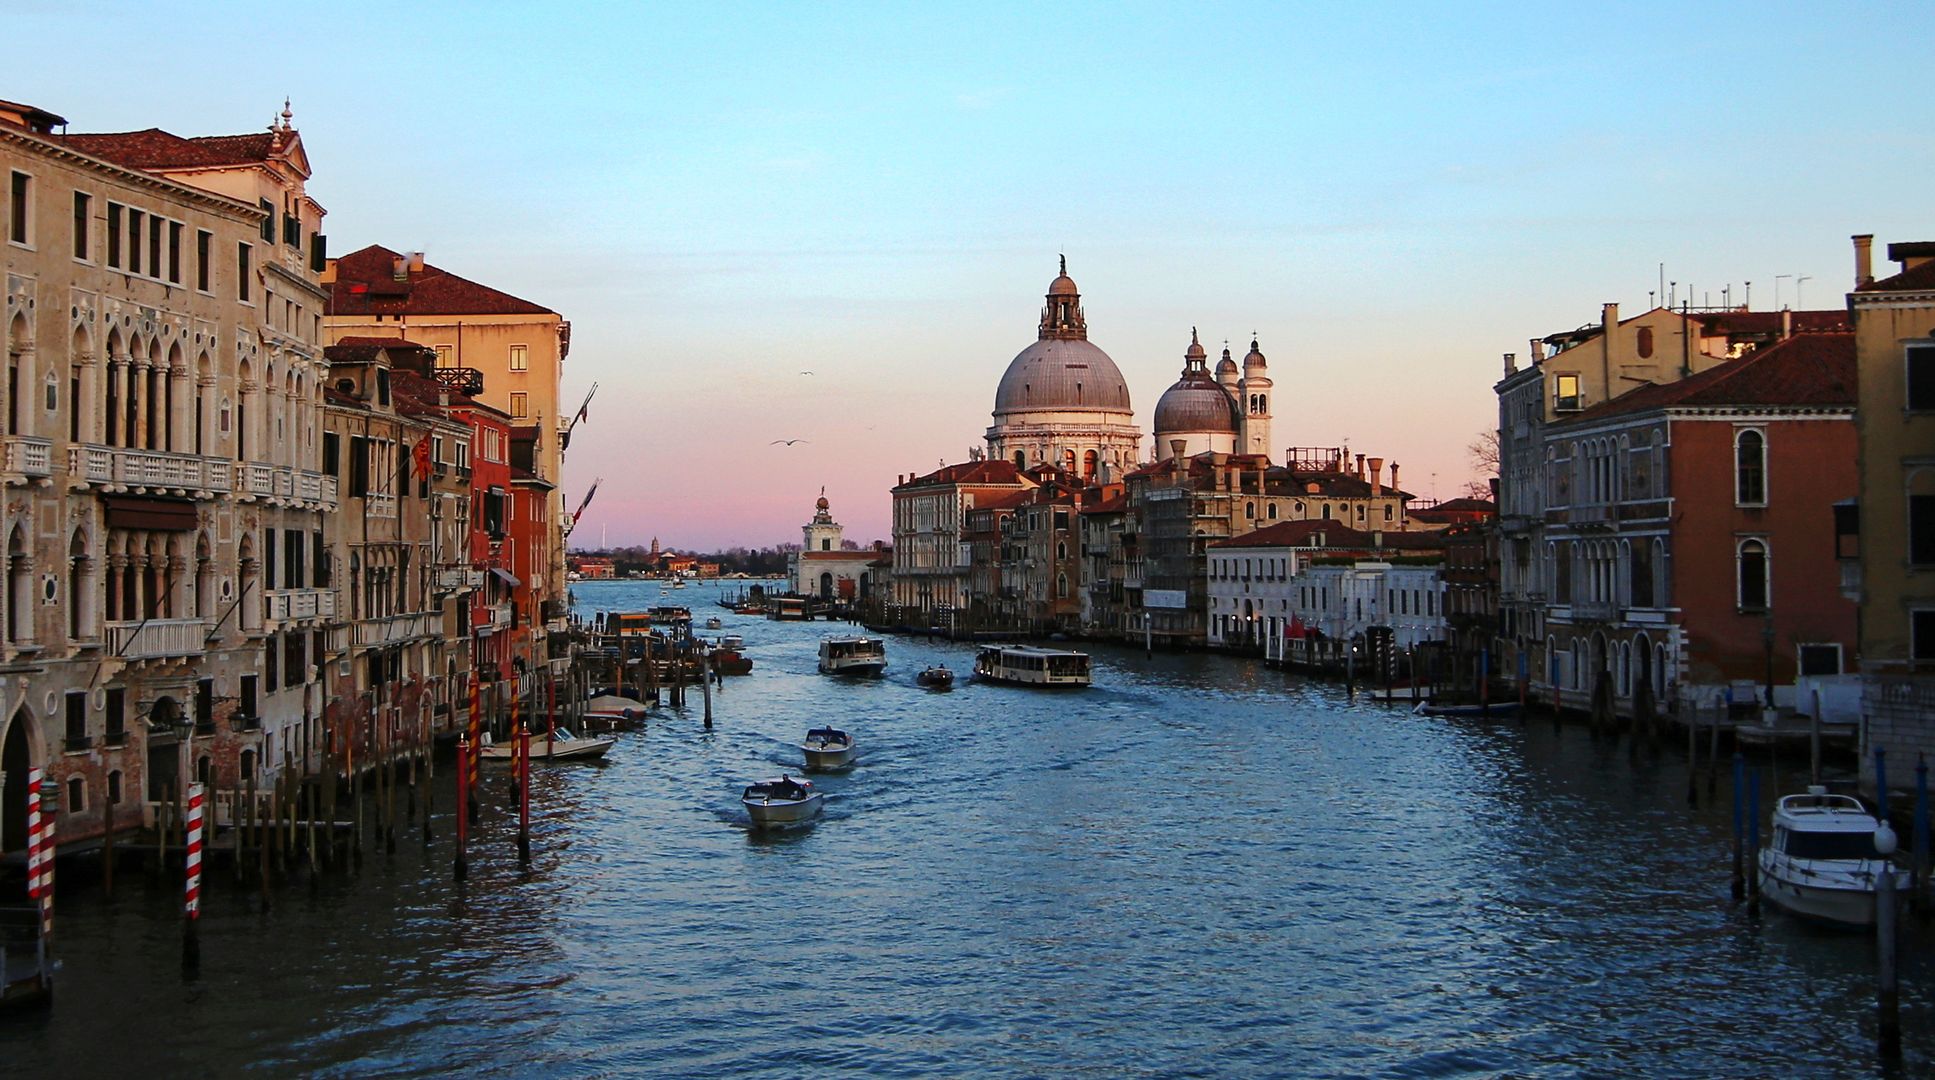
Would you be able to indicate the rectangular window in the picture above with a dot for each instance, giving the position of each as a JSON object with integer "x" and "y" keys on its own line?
{"x": 134, "y": 241}
{"x": 205, "y": 704}
{"x": 77, "y": 719}
{"x": 359, "y": 466}
{"x": 331, "y": 453}
{"x": 115, "y": 715}
{"x": 114, "y": 235}
{"x": 271, "y": 664}
{"x": 242, "y": 253}
{"x": 203, "y": 241}
{"x": 520, "y": 406}
{"x": 520, "y": 360}
{"x": 1921, "y": 530}
{"x": 174, "y": 252}
{"x": 1566, "y": 395}
{"x": 154, "y": 245}
{"x": 292, "y": 231}
{"x": 1921, "y": 377}
{"x": 19, "y": 205}
{"x": 295, "y": 667}
{"x": 248, "y": 697}
{"x": 1820, "y": 660}
{"x": 1921, "y": 635}
{"x": 268, "y": 559}
{"x": 82, "y": 206}
{"x": 268, "y": 220}
{"x": 321, "y": 555}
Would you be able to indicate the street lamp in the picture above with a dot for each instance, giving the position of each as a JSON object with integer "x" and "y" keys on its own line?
{"x": 1767, "y": 640}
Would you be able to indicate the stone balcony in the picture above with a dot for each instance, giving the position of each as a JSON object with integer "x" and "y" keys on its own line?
{"x": 289, "y": 605}
{"x": 391, "y": 629}
{"x": 28, "y": 459}
{"x": 168, "y": 473}
{"x": 157, "y": 639}
{"x": 379, "y": 505}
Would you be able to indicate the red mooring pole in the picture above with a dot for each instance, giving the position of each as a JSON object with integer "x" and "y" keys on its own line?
{"x": 191, "y": 945}
{"x": 524, "y": 794}
{"x": 462, "y": 867}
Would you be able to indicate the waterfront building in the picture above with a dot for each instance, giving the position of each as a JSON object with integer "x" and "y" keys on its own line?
{"x": 1689, "y": 533}
{"x": 993, "y": 591}
{"x": 1062, "y": 401}
{"x": 1888, "y": 542}
{"x": 931, "y": 569}
{"x": 161, "y": 416}
{"x": 518, "y": 346}
{"x": 1570, "y": 372}
{"x": 531, "y": 551}
{"x": 389, "y": 545}
{"x": 825, "y": 567}
{"x": 1041, "y": 557}
{"x": 1378, "y": 609}
{"x": 1257, "y": 583}
{"x": 1223, "y": 413}
{"x": 1110, "y": 554}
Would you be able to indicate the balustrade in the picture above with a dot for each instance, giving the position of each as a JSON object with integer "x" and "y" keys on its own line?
{"x": 157, "y": 638}
{"x": 30, "y": 457}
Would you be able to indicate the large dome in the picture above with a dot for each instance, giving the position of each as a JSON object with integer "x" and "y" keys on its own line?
{"x": 1195, "y": 405}
{"x": 1061, "y": 375}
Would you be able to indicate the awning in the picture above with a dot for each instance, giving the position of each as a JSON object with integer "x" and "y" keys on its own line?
{"x": 149, "y": 512}
{"x": 509, "y": 579}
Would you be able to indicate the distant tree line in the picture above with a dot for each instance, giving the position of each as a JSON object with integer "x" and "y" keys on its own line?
{"x": 759, "y": 562}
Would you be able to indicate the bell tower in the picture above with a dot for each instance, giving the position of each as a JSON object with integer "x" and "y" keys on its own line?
{"x": 1253, "y": 390}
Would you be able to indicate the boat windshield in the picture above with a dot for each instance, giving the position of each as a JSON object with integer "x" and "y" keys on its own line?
{"x": 1830, "y": 845}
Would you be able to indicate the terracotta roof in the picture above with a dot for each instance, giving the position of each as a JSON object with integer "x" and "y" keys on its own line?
{"x": 1114, "y": 504}
{"x": 1335, "y": 534}
{"x": 1455, "y": 506}
{"x": 1759, "y": 323}
{"x": 354, "y": 350}
{"x": 366, "y": 285}
{"x": 154, "y": 148}
{"x": 1804, "y": 370}
{"x": 1918, "y": 279}
{"x": 971, "y": 473}
{"x": 419, "y": 394}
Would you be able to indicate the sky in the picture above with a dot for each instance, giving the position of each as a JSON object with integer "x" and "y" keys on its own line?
{"x": 720, "y": 197}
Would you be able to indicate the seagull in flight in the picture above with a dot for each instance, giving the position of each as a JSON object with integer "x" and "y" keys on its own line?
{"x": 787, "y": 442}
{"x": 806, "y": 373}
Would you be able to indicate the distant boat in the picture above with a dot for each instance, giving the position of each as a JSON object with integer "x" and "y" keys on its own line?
{"x": 714, "y": 623}
{"x": 828, "y": 748}
{"x": 1825, "y": 859}
{"x": 1027, "y": 665}
{"x": 560, "y": 745}
{"x": 863, "y": 656}
{"x": 937, "y": 677}
{"x": 781, "y": 802}
{"x": 1496, "y": 708}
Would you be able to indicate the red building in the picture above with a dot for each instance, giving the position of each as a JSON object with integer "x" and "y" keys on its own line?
{"x": 1690, "y": 532}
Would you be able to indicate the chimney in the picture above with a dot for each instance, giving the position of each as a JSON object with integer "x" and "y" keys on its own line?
{"x": 1360, "y": 466}
{"x": 1377, "y": 476}
{"x": 1864, "y": 259}
{"x": 1511, "y": 363}
{"x": 1538, "y": 351}
{"x": 1176, "y": 447}
{"x": 1609, "y": 317}
{"x": 416, "y": 262}
{"x": 1394, "y": 483}
{"x": 400, "y": 268}
{"x": 1786, "y": 323}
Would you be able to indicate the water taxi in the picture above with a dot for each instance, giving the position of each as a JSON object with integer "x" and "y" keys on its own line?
{"x": 853, "y": 656}
{"x": 1027, "y": 665}
{"x": 828, "y": 748}
{"x": 780, "y": 802}
{"x": 937, "y": 677}
{"x": 1825, "y": 858}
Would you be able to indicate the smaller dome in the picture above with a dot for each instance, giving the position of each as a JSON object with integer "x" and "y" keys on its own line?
{"x": 820, "y": 503}
{"x": 1063, "y": 286}
{"x": 1193, "y": 405}
{"x": 1254, "y": 356}
{"x": 1195, "y": 351}
{"x": 1225, "y": 368}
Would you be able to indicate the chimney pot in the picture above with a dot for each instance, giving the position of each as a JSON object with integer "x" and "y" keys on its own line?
{"x": 1538, "y": 351}
{"x": 1864, "y": 265}
{"x": 1360, "y": 466}
{"x": 400, "y": 268}
{"x": 1377, "y": 476}
{"x": 1394, "y": 482}
{"x": 1511, "y": 363}
{"x": 1609, "y": 317}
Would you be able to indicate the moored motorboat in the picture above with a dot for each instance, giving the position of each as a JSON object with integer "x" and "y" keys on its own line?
{"x": 612, "y": 712}
{"x": 853, "y": 656}
{"x": 558, "y": 745}
{"x": 937, "y": 677}
{"x": 780, "y": 802}
{"x": 1825, "y": 859}
{"x": 828, "y": 748}
{"x": 1028, "y": 665}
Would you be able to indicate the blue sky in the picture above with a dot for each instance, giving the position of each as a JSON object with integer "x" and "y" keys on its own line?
{"x": 720, "y": 197}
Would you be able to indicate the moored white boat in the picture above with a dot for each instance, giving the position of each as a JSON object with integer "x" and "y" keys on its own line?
{"x": 780, "y": 802}
{"x": 828, "y": 748}
{"x": 1825, "y": 858}
{"x": 560, "y": 745}
{"x": 1439, "y": 708}
{"x": 1027, "y": 665}
{"x": 611, "y": 712}
{"x": 853, "y": 656}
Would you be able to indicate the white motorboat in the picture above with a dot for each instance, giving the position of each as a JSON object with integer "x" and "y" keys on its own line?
{"x": 853, "y": 656}
{"x": 781, "y": 802}
{"x": 828, "y": 748}
{"x": 1825, "y": 858}
{"x": 610, "y": 712}
{"x": 732, "y": 641}
{"x": 714, "y": 623}
{"x": 560, "y": 745}
{"x": 1027, "y": 665}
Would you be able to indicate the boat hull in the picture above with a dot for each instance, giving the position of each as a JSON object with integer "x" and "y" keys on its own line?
{"x": 552, "y": 750}
{"x": 860, "y": 669}
{"x": 1842, "y": 900}
{"x": 830, "y": 758}
{"x": 780, "y": 813}
{"x": 1497, "y": 708}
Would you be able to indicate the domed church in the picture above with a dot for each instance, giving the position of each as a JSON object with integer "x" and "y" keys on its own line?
{"x": 1223, "y": 413}
{"x": 1062, "y": 400}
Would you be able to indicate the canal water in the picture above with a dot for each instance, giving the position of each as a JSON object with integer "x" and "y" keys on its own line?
{"x": 1200, "y": 867}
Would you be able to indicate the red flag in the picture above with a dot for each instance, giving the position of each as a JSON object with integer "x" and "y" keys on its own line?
{"x": 421, "y": 457}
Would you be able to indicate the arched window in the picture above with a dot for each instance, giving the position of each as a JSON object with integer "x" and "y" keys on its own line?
{"x": 80, "y": 590}
{"x": 1088, "y": 464}
{"x": 1750, "y": 468}
{"x": 1751, "y": 560}
{"x": 20, "y": 589}
{"x": 1021, "y": 459}
{"x": 1270, "y": 511}
{"x": 1249, "y": 511}
{"x": 1326, "y": 511}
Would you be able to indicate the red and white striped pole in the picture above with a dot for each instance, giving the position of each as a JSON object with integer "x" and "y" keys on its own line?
{"x": 42, "y": 812}
{"x": 191, "y": 946}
